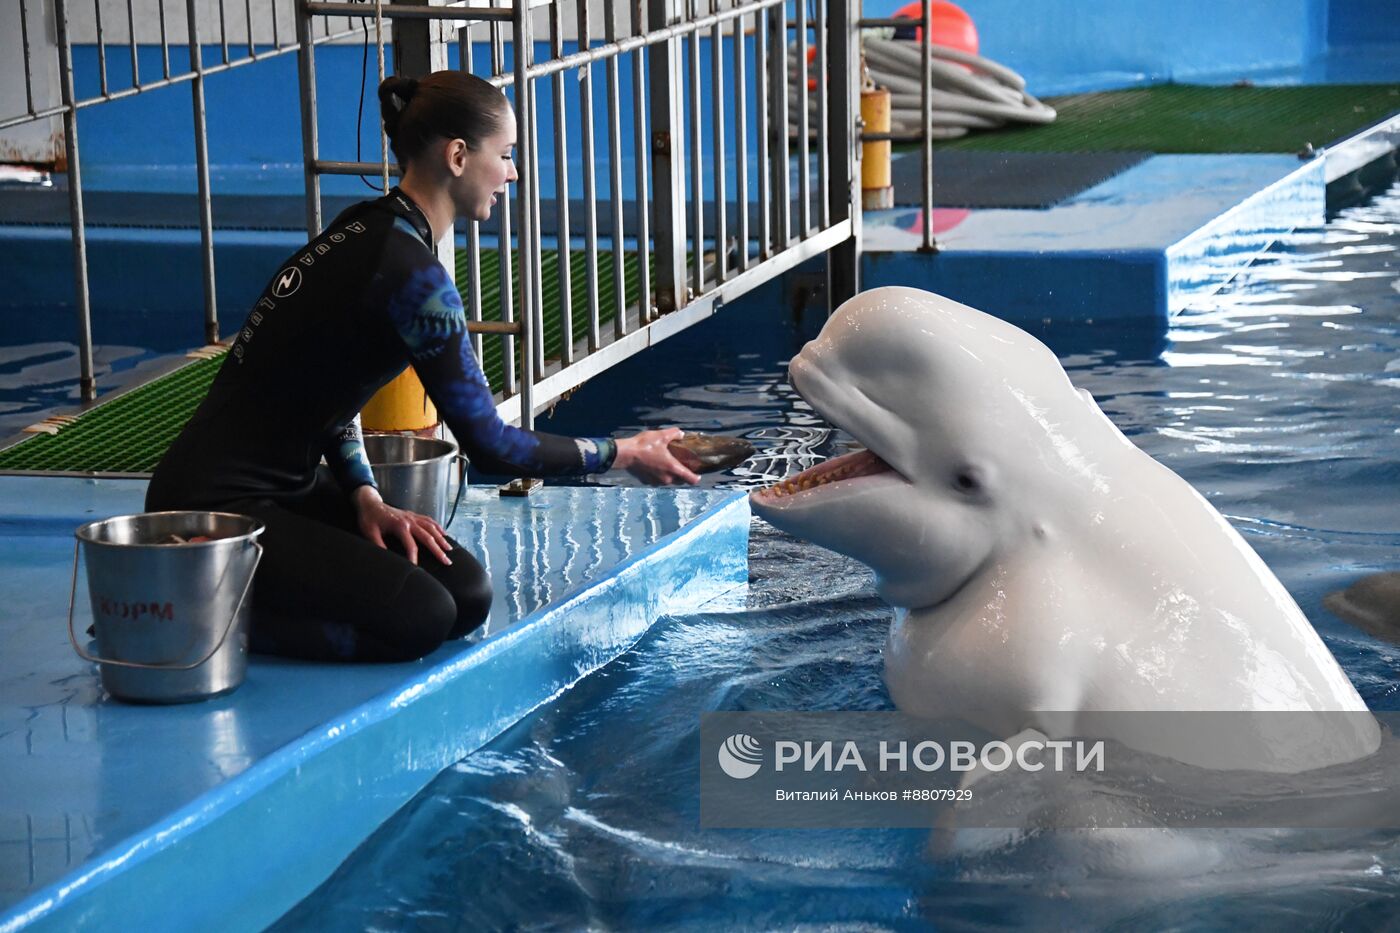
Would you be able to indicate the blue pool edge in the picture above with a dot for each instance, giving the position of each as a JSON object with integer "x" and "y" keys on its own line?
{"x": 244, "y": 853}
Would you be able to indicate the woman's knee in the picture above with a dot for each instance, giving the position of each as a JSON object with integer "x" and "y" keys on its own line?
{"x": 471, "y": 592}
{"x": 424, "y": 614}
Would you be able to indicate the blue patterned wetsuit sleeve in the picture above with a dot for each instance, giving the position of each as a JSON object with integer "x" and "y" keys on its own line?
{"x": 427, "y": 312}
{"x": 345, "y": 455}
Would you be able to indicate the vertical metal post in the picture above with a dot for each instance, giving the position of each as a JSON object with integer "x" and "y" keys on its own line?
{"x": 782, "y": 161}
{"x": 561, "y": 189}
{"x": 843, "y": 58}
{"x": 619, "y": 254}
{"x": 741, "y": 139}
{"x": 697, "y": 163}
{"x": 201, "y": 158}
{"x": 165, "y": 42}
{"x": 824, "y": 85}
{"x": 506, "y": 280}
{"x": 101, "y": 47}
{"x": 804, "y": 128}
{"x": 131, "y": 44}
{"x": 644, "y": 305}
{"x": 667, "y": 152}
{"x": 310, "y": 146}
{"x": 86, "y": 383}
{"x": 717, "y": 93}
{"x": 418, "y": 51}
{"x": 762, "y": 132}
{"x": 590, "y": 180}
{"x": 464, "y": 46}
{"x": 530, "y": 313}
{"x": 24, "y": 43}
{"x": 926, "y": 109}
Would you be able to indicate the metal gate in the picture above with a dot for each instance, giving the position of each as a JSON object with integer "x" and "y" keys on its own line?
{"x": 739, "y": 118}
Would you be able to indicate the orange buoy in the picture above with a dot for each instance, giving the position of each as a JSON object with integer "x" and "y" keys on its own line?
{"x": 952, "y": 27}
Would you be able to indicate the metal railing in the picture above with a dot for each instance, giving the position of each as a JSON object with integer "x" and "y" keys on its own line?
{"x": 266, "y": 32}
{"x": 695, "y": 269}
{"x": 687, "y": 264}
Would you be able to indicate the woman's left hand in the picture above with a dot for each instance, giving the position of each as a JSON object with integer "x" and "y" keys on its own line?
{"x": 378, "y": 520}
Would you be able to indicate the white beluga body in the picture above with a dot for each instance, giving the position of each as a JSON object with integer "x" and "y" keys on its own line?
{"x": 1047, "y": 574}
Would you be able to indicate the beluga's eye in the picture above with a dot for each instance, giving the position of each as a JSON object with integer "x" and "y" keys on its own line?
{"x": 968, "y": 480}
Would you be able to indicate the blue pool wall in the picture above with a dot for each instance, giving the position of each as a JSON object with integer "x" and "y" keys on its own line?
{"x": 144, "y": 143}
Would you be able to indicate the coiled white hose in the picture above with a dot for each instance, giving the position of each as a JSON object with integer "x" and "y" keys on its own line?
{"x": 981, "y": 94}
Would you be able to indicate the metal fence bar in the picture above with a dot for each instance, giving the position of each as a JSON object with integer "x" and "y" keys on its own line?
{"x": 668, "y": 184}
{"x": 223, "y": 30}
{"x": 643, "y": 234}
{"x": 782, "y": 159}
{"x": 619, "y": 254}
{"x": 824, "y": 116}
{"x": 131, "y": 44}
{"x": 306, "y": 81}
{"x": 272, "y": 12}
{"x": 493, "y": 13}
{"x": 590, "y": 183}
{"x": 87, "y": 385}
{"x": 464, "y": 52}
{"x": 101, "y": 47}
{"x": 741, "y": 139}
{"x": 717, "y": 92}
{"x": 535, "y": 251}
{"x": 165, "y": 42}
{"x": 763, "y": 129}
{"x": 842, "y": 51}
{"x": 201, "y": 157}
{"x": 926, "y": 108}
{"x": 804, "y": 127}
{"x": 697, "y": 165}
{"x": 24, "y": 43}
{"x": 530, "y": 311}
{"x": 561, "y": 189}
{"x": 507, "y": 289}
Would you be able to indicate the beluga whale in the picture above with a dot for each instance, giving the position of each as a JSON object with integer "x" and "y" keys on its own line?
{"x": 1048, "y": 577}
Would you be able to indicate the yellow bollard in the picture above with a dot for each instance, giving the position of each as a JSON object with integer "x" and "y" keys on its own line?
{"x": 402, "y": 405}
{"x": 877, "y": 189}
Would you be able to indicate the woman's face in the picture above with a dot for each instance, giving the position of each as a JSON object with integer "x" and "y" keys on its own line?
{"x": 486, "y": 171}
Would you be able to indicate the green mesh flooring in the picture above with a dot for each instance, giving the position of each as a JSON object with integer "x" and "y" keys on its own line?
{"x": 126, "y": 435}
{"x": 130, "y": 433}
{"x": 1177, "y": 118}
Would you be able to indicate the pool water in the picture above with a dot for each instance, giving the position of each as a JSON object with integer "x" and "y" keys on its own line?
{"x": 1277, "y": 399}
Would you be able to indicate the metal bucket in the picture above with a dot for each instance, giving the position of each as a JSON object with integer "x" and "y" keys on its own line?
{"x": 170, "y": 619}
{"x": 412, "y": 472}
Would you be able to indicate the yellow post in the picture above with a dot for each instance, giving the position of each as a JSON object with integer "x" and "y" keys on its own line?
{"x": 877, "y": 189}
{"x": 402, "y": 405}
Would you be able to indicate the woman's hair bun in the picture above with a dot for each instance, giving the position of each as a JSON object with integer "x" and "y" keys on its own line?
{"x": 394, "y": 94}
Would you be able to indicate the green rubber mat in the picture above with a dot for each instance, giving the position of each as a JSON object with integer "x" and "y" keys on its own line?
{"x": 130, "y": 433}
{"x": 1178, "y": 118}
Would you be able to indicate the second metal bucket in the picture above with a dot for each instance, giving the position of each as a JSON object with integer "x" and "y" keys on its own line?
{"x": 412, "y": 472}
{"x": 170, "y": 605}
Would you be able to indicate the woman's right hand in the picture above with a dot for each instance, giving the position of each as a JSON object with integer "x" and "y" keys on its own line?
{"x": 648, "y": 457}
{"x": 378, "y": 520}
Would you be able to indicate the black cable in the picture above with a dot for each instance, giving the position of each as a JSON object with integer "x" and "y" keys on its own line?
{"x": 360, "y": 111}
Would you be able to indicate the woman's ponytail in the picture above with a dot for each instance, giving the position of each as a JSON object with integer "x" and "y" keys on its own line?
{"x": 394, "y": 94}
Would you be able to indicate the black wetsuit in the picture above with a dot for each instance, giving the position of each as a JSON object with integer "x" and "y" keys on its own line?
{"x": 343, "y": 316}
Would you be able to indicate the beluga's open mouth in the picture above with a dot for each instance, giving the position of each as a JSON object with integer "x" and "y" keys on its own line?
{"x": 843, "y": 472}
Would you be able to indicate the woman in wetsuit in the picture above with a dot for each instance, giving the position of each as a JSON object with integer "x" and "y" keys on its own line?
{"x": 345, "y": 576}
